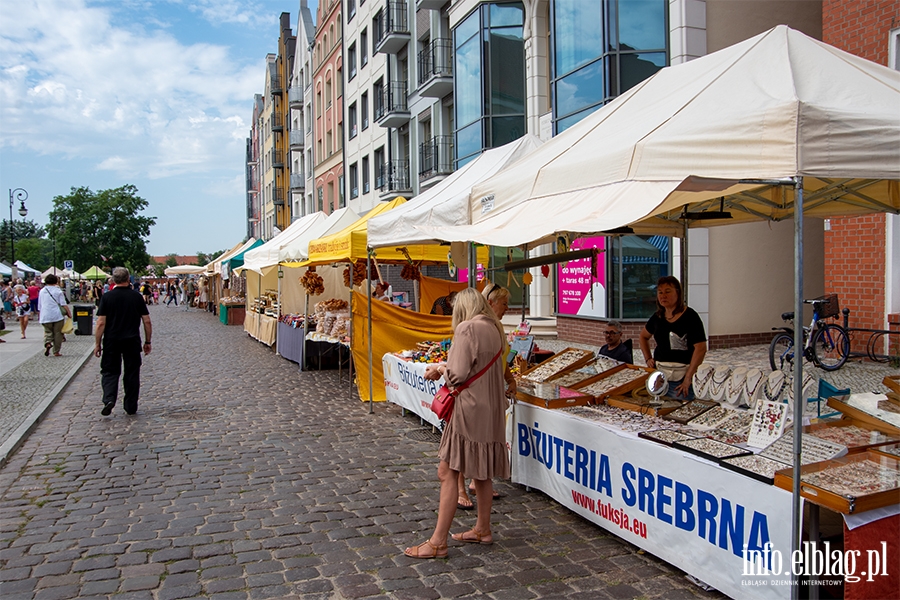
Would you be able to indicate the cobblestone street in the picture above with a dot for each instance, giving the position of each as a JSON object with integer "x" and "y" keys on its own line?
{"x": 242, "y": 477}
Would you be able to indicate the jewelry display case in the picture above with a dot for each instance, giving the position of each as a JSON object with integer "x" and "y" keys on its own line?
{"x": 690, "y": 410}
{"x": 755, "y": 466}
{"x": 558, "y": 364}
{"x": 618, "y": 381}
{"x": 549, "y": 395}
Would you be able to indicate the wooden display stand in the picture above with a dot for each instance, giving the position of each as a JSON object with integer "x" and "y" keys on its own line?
{"x": 549, "y": 395}
{"x": 620, "y": 390}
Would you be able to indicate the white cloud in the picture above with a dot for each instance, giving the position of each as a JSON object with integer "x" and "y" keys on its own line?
{"x": 78, "y": 80}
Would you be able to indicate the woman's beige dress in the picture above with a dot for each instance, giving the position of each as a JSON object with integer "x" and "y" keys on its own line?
{"x": 474, "y": 441}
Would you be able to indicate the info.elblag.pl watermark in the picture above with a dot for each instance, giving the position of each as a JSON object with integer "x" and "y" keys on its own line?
{"x": 815, "y": 562}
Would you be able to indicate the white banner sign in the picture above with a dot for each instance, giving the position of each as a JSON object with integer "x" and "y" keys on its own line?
{"x": 406, "y": 386}
{"x": 690, "y": 512}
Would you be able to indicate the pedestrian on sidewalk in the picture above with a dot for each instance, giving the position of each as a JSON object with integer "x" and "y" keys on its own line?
{"x": 474, "y": 440}
{"x": 118, "y": 341}
{"x": 33, "y": 291}
{"x": 6, "y": 296}
{"x": 22, "y": 305}
{"x": 53, "y": 309}
{"x": 171, "y": 294}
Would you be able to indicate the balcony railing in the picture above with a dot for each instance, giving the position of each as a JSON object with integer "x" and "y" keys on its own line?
{"x": 297, "y": 139}
{"x": 391, "y": 27}
{"x": 436, "y": 60}
{"x": 391, "y": 108}
{"x": 393, "y": 176}
{"x": 295, "y": 97}
{"x": 436, "y": 157}
{"x": 277, "y": 158}
{"x": 277, "y": 122}
{"x": 298, "y": 182}
{"x": 276, "y": 84}
{"x": 278, "y": 196}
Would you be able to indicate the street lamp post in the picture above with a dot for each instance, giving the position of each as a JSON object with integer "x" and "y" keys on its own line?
{"x": 17, "y": 195}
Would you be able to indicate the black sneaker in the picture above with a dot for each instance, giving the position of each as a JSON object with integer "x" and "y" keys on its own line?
{"x": 107, "y": 409}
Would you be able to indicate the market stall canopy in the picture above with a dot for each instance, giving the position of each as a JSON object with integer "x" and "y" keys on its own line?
{"x": 216, "y": 265}
{"x": 61, "y": 273}
{"x": 95, "y": 273}
{"x": 23, "y": 267}
{"x": 5, "y": 269}
{"x": 237, "y": 260}
{"x": 212, "y": 267}
{"x": 298, "y": 250}
{"x": 709, "y": 133}
{"x": 185, "y": 270}
{"x": 266, "y": 256}
{"x": 349, "y": 244}
{"x": 447, "y": 203}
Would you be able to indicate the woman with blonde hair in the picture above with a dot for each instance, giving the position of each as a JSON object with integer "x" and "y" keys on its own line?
{"x": 474, "y": 440}
{"x": 22, "y": 304}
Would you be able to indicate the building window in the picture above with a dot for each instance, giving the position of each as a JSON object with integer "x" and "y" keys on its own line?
{"x": 351, "y": 61}
{"x": 328, "y": 144}
{"x": 328, "y": 93}
{"x": 341, "y": 202}
{"x": 363, "y": 48}
{"x": 351, "y": 117}
{"x": 365, "y": 174}
{"x": 489, "y": 63}
{"x": 320, "y": 194}
{"x": 894, "y": 49}
{"x": 379, "y": 168}
{"x": 351, "y": 9}
{"x": 354, "y": 181}
{"x": 601, "y": 50}
{"x": 364, "y": 110}
{"x": 318, "y": 105}
{"x": 340, "y": 83}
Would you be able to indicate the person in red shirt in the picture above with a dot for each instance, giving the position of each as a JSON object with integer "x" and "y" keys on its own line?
{"x": 34, "y": 290}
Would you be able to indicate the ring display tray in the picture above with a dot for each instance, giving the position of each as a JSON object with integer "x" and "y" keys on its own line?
{"x": 814, "y": 450}
{"x": 856, "y": 436}
{"x": 667, "y": 437}
{"x": 710, "y": 449}
{"x": 892, "y": 450}
{"x": 615, "y": 382}
{"x": 711, "y": 418}
{"x": 561, "y": 362}
{"x": 644, "y": 404}
{"x": 549, "y": 395}
{"x": 755, "y": 466}
{"x": 599, "y": 365}
{"x": 726, "y": 437}
{"x": 690, "y": 410}
{"x": 877, "y": 411}
{"x": 851, "y": 484}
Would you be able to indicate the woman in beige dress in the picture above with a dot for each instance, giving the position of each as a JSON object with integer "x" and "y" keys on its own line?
{"x": 474, "y": 441}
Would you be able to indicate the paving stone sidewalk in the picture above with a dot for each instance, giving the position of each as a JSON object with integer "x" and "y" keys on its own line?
{"x": 241, "y": 477}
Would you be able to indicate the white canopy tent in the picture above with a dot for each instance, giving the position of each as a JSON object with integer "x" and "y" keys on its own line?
{"x": 447, "y": 203}
{"x": 23, "y": 267}
{"x": 185, "y": 270}
{"x": 711, "y": 133}
{"x": 5, "y": 269}
{"x": 61, "y": 273}
{"x": 265, "y": 257}
{"x": 297, "y": 249}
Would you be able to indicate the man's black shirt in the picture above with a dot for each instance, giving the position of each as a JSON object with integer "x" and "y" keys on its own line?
{"x": 123, "y": 308}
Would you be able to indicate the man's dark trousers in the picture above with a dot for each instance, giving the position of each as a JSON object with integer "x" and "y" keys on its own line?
{"x": 115, "y": 354}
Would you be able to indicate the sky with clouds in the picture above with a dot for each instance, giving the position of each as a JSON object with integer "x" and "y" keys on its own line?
{"x": 155, "y": 93}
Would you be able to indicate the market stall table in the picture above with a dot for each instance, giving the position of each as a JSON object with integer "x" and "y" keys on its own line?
{"x": 406, "y": 386}
{"x": 232, "y": 314}
{"x": 290, "y": 342}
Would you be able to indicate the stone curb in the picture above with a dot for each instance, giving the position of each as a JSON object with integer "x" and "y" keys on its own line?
{"x": 18, "y": 437}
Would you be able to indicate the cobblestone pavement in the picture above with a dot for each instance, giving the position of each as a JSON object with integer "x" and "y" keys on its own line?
{"x": 242, "y": 477}
{"x": 29, "y": 387}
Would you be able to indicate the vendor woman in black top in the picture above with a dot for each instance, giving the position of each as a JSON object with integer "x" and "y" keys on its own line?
{"x": 680, "y": 338}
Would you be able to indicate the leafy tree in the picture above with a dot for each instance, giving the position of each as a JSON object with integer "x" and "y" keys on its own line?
{"x": 204, "y": 259}
{"x": 171, "y": 260}
{"x": 22, "y": 230}
{"x": 104, "y": 228}
{"x": 35, "y": 252}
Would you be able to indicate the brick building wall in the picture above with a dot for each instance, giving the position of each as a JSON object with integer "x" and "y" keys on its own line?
{"x": 855, "y": 251}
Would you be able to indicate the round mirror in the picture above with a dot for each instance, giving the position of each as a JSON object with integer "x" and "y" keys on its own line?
{"x": 657, "y": 383}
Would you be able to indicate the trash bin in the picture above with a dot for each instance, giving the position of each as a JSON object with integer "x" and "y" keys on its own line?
{"x": 84, "y": 319}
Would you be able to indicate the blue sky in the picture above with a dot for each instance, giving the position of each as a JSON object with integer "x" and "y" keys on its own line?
{"x": 155, "y": 93}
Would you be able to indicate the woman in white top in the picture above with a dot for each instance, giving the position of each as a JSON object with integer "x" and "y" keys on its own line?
{"x": 22, "y": 304}
{"x": 53, "y": 309}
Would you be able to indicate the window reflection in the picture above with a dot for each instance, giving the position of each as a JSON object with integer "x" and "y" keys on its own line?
{"x": 567, "y": 122}
{"x": 636, "y": 261}
{"x": 638, "y": 67}
{"x": 507, "y": 76}
{"x": 506, "y": 129}
{"x": 580, "y": 44}
{"x": 506, "y": 14}
{"x": 641, "y": 27}
{"x": 580, "y": 89}
{"x": 468, "y": 82}
{"x": 468, "y": 140}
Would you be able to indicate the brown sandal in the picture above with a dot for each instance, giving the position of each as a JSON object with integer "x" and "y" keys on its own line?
{"x": 463, "y": 502}
{"x": 474, "y": 536}
{"x": 435, "y": 551}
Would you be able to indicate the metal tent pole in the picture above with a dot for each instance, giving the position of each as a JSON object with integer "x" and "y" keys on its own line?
{"x": 369, "y": 301}
{"x": 305, "y": 333}
{"x": 797, "y": 508}
{"x": 684, "y": 263}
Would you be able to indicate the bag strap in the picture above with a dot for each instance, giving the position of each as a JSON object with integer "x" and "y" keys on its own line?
{"x": 472, "y": 379}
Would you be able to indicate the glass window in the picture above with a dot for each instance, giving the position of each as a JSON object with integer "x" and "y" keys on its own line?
{"x": 635, "y": 263}
{"x": 468, "y": 82}
{"x": 468, "y": 140}
{"x": 582, "y": 88}
{"x": 635, "y": 68}
{"x": 467, "y": 28}
{"x": 363, "y": 48}
{"x": 354, "y": 178}
{"x": 502, "y": 15}
{"x": 507, "y": 52}
{"x": 567, "y": 122}
{"x": 365, "y": 175}
{"x": 364, "y": 109}
{"x": 351, "y": 61}
{"x": 506, "y": 129}
{"x": 642, "y": 25}
{"x": 582, "y": 23}
{"x": 351, "y": 117}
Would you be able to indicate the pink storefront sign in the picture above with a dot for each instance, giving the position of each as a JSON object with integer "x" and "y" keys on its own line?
{"x": 574, "y": 282}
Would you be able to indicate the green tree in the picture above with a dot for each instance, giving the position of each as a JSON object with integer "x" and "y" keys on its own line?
{"x": 204, "y": 259}
{"x": 171, "y": 260}
{"x": 35, "y": 252}
{"x": 22, "y": 230}
{"x": 104, "y": 228}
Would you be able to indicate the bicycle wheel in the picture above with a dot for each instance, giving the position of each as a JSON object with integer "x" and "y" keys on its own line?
{"x": 831, "y": 346}
{"x": 781, "y": 352}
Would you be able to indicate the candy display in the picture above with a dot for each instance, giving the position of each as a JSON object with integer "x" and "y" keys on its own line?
{"x": 294, "y": 321}
{"x": 266, "y": 304}
{"x": 569, "y": 358}
{"x": 427, "y": 352}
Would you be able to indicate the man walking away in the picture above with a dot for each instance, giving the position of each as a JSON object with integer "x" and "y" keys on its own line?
{"x": 118, "y": 340}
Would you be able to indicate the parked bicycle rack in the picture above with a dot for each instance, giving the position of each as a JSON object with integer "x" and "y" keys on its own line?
{"x": 875, "y": 340}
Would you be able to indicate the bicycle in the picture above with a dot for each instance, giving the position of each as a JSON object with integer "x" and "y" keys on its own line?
{"x": 826, "y": 345}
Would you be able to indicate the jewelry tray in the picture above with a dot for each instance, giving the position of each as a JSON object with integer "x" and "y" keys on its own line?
{"x": 857, "y": 436}
{"x": 710, "y": 449}
{"x": 639, "y": 375}
{"x": 891, "y": 450}
{"x": 667, "y": 437}
{"x": 549, "y": 395}
{"x": 754, "y": 466}
{"x": 830, "y": 483}
{"x": 690, "y": 410}
{"x": 596, "y": 366}
{"x": 642, "y": 404}
{"x": 561, "y": 362}
{"x": 871, "y": 416}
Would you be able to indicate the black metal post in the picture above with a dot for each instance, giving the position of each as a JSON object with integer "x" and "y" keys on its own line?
{"x": 20, "y": 195}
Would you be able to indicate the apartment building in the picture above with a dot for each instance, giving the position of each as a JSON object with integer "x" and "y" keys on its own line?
{"x": 300, "y": 99}
{"x": 252, "y": 170}
{"x": 269, "y": 159}
{"x": 328, "y": 118}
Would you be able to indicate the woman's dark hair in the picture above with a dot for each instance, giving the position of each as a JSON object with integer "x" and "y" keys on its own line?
{"x": 51, "y": 279}
{"x": 679, "y": 305}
